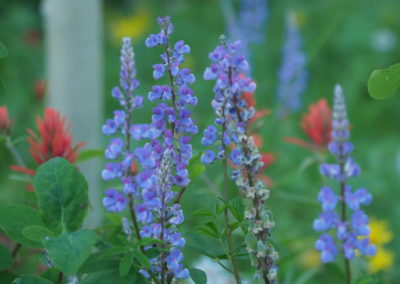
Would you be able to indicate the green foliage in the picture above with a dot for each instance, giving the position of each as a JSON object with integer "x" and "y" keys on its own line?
{"x": 62, "y": 193}
{"x": 6, "y": 258}
{"x": 70, "y": 250}
{"x": 3, "y": 51}
{"x": 31, "y": 279}
{"x": 125, "y": 264}
{"x": 36, "y": 233}
{"x": 384, "y": 82}
{"x": 14, "y": 218}
{"x": 198, "y": 276}
{"x": 88, "y": 154}
{"x": 196, "y": 167}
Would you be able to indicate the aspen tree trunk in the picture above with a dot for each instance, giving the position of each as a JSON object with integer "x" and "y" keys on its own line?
{"x": 74, "y": 71}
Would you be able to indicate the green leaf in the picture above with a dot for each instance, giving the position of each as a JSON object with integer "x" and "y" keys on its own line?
{"x": 98, "y": 262}
{"x": 37, "y": 233}
{"x": 5, "y": 257}
{"x": 15, "y": 218}
{"x": 202, "y": 212}
{"x": 198, "y": 276}
{"x": 237, "y": 208}
{"x": 70, "y": 250}
{"x": 89, "y": 154}
{"x": 142, "y": 258}
{"x": 62, "y": 193}
{"x": 195, "y": 167}
{"x": 125, "y": 264}
{"x": 3, "y": 51}
{"x": 384, "y": 82}
{"x": 110, "y": 276}
{"x": 31, "y": 279}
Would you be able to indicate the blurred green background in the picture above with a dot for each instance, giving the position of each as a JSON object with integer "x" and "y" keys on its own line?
{"x": 344, "y": 42}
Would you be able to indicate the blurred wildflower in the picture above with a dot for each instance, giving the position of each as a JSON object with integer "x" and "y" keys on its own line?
{"x": 233, "y": 116}
{"x": 53, "y": 140}
{"x": 248, "y": 24}
{"x": 348, "y": 230}
{"x": 39, "y": 89}
{"x": 135, "y": 26}
{"x": 380, "y": 236}
{"x": 32, "y": 37}
{"x": 292, "y": 74}
{"x": 383, "y": 40}
{"x": 310, "y": 259}
{"x": 317, "y": 125}
{"x": 5, "y": 121}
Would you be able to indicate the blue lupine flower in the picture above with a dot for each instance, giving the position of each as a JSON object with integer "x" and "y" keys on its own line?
{"x": 248, "y": 24}
{"x": 292, "y": 74}
{"x": 228, "y": 69}
{"x": 114, "y": 201}
{"x": 354, "y": 233}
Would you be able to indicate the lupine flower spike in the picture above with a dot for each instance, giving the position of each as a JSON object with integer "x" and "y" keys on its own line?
{"x": 227, "y": 69}
{"x": 350, "y": 228}
{"x": 53, "y": 140}
{"x": 317, "y": 125}
{"x": 292, "y": 74}
{"x": 165, "y": 159}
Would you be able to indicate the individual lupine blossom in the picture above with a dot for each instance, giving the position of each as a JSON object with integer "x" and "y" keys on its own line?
{"x": 164, "y": 160}
{"x": 292, "y": 74}
{"x": 317, "y": 125}
{"x": 352, "y": 233}
{"x": 248, "y": 24}
{"x": 227, "y": 69}
{"x": 53, "y": 140}
{"x": 5, "y": 121}
{"x": 118, "y": 151}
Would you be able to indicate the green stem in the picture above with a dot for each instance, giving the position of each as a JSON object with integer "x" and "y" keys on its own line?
{"x": 17, "y": 156}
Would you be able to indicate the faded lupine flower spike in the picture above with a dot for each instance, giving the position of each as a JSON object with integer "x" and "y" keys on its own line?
{"x": 292, "y": 74}
{"x": 233, "y": 115}
{"x": 352, "y": 232}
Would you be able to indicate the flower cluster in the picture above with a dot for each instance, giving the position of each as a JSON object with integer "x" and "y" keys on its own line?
{"x": 248, "y": 24}
{"x": 352, "y": 234}
{"x": 292, "y": 74}
{"x": 5, "y": 121}
{"x": 317, "y": 124}
{"x": 53, "y": 140}
{"x": 233, "y": 116}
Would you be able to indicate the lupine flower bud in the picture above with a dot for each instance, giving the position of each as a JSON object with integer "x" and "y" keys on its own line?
{"x": 351, "y": 234}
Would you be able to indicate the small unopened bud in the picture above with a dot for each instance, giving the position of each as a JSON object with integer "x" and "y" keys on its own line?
{"x": 5, "y": 122}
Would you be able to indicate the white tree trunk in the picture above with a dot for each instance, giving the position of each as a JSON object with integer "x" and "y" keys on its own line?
{"x": 74, "y": 71}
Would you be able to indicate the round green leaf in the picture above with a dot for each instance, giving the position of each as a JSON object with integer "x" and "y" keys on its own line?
{"x": 70, "y": 250}
{"x": 15, "y": 218}
{"x": 6, "y": 258}
{"x": 62, "y": 193}
{"x": 383, "y": 83}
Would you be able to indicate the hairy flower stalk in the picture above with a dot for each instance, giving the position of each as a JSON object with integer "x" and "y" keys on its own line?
{"x": 165, "y": 158}
{"x": 292, "y": 74}
{"x": 351, "y": 233}
{"x": 233, "y": 116}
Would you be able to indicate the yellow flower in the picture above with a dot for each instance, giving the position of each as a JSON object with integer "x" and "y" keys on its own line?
{"x": 380, "y": 233}
{"x": 310, "y": 258}
{"x": 135, "y": 26}
{"x": 381, "y": 261}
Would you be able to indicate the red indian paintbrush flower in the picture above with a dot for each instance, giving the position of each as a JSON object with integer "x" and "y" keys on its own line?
{"x": 53, "y": 140}
{"x": 5, "y": 121}
{"x": 317, "y": 124}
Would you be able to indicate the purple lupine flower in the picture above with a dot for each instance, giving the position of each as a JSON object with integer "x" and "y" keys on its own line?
{"x": 227, "y": 69}
{"x": 165, "y": 158}
{"x": 247, "y": 24}
{"x": 114, "y": 201}
{"x": 292, "y": 74}
{"x": 351, "y": 234}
